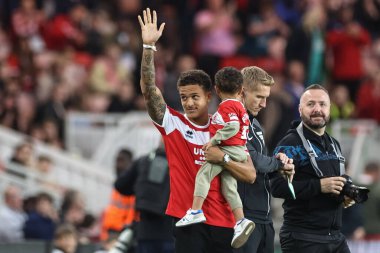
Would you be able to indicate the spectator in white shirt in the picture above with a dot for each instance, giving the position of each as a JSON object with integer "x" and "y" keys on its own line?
{"x": 12, "y": 217}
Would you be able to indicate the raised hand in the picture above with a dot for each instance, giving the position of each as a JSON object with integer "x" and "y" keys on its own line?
{"x": 149, "y": 32}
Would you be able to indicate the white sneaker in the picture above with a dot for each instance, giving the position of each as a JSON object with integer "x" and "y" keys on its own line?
{"x": 243, "y": 230}
{"x": 191, "y": 217}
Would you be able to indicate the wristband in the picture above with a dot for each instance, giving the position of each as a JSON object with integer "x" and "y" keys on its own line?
{"x": 150, "y": 47}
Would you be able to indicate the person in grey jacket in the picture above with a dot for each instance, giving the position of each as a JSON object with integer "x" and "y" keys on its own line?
{"x": 256, "y": 197}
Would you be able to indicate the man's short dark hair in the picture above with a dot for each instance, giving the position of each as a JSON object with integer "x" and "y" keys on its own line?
{"x": 316, "y": 87}
{"x": 229, "y": 80}
{"x": 44, "y": 196}
{"x": 126, "y": 152}
{"x": 195, "y": 77}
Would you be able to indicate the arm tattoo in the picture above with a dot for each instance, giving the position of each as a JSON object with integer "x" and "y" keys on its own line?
{"x": 153, "y": 97}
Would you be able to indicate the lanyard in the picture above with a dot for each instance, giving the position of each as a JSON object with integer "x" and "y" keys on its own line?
{"x": 312, "y": 155}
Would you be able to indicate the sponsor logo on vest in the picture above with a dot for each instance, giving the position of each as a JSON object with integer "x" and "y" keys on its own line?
{"x": 198, "y": 151}
{"x": 189, "y": 134}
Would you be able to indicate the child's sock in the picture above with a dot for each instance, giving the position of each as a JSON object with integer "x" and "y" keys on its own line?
{"x": 239, "y": 221}
{"x": 196, "y": 211}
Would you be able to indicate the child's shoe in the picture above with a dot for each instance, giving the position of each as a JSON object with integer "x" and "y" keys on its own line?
{"x": 243, "y": 230}
{"x": 191, "y": 217}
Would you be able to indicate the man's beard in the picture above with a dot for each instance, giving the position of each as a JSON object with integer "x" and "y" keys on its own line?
{"x": 308, "y": 121}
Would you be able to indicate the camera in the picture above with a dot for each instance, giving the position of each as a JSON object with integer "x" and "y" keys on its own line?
{"x": 357, "y": 193}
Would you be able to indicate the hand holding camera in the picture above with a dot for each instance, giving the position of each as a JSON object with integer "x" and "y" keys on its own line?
{"x": 332, "y": 185}
{"x": 343, "y": 186}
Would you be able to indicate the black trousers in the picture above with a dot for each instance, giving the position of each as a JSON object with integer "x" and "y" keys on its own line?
{"x": 260, "y": 241}
{"x": 291, "y": 245}
{"x": 202, "y": 238}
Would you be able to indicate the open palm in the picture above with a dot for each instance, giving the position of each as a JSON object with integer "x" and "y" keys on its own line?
{"x": 149, "y": 32}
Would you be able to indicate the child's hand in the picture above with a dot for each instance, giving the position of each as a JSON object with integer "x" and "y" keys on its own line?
{"x": 207, "y": 145}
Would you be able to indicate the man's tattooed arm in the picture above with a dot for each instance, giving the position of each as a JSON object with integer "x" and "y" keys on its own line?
{"x": 153, "y": 97}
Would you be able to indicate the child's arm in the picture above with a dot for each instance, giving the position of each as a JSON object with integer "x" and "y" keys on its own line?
{"x": 229, "y": 130}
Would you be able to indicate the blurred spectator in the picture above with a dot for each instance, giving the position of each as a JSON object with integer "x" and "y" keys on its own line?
{"x": 306, "y": 44}
{"x": 262, "y": 27}
{"x": 8, "y": 116}
{"x": 107, "y": 73}
{"x": 37, "y": 133}
{"x": 29, "y": 204}
{"x": 50, "y": 128}
{"x": 12, "y": 217}
{"x": 103, "y": 31}
{"x": 294, "y": 84}
{"x": 353, "y": 222}
{"x": 88, "y": 230}
{"x": 73, "y": 212}
{"x": 41, "y": 221}
{"x": 124, "y": 99}
{"x": 128, "y": 38}
{"x": 67, "y": 30}
{"x": 44, "y": 164}
{"x": 169, "y": 15}
{"x": 215, "y": 27}
{"x": 278, "y": 114}
{"x": 120, "y": 212}
{"x": 123, "y": 161}
{"x": 26, "y": 111}
{"x": 44, "y": 66}
{"x": 368, "y": 12}
{"x": 72, "y": 208}
{"x": 54, "y": 109}
{"x": 128, "y": 9}
{"x": 341, "y": 105}
{"x": 45, "y": 174}
{"x": 26, "y": 24}
{"x": 5, "y": 52}
{"x": 65, "y": 239}
{"x": 371, "y": 207}
{"x": 368, "y": 99}
{"x": 95, "y": 102}
{"x": 290, "y": 11}
{"x": 346, "y": 43}
{"x": 24, "y": 154}
{"x": 182, "y": 63}
{"x": 72, "y": 67}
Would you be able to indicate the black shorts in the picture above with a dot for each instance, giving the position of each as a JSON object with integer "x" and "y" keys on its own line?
{"x": 202, "y": 238}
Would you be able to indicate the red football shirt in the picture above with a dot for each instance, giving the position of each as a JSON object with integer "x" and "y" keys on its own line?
{"x": 183, "y": 143}
{"x": 231, "y": 110}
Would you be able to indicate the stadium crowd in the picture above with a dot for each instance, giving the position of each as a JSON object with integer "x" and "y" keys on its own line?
{"x": 84, "y": 55}
{"x": 62, "y": 56}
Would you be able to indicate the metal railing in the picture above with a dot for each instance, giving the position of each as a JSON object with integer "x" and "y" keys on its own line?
{"x": 68, "y": 171}
{"x": 99, "y": 137}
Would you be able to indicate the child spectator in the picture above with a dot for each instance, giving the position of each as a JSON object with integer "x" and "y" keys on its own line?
{"x": 65, "y": 239}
